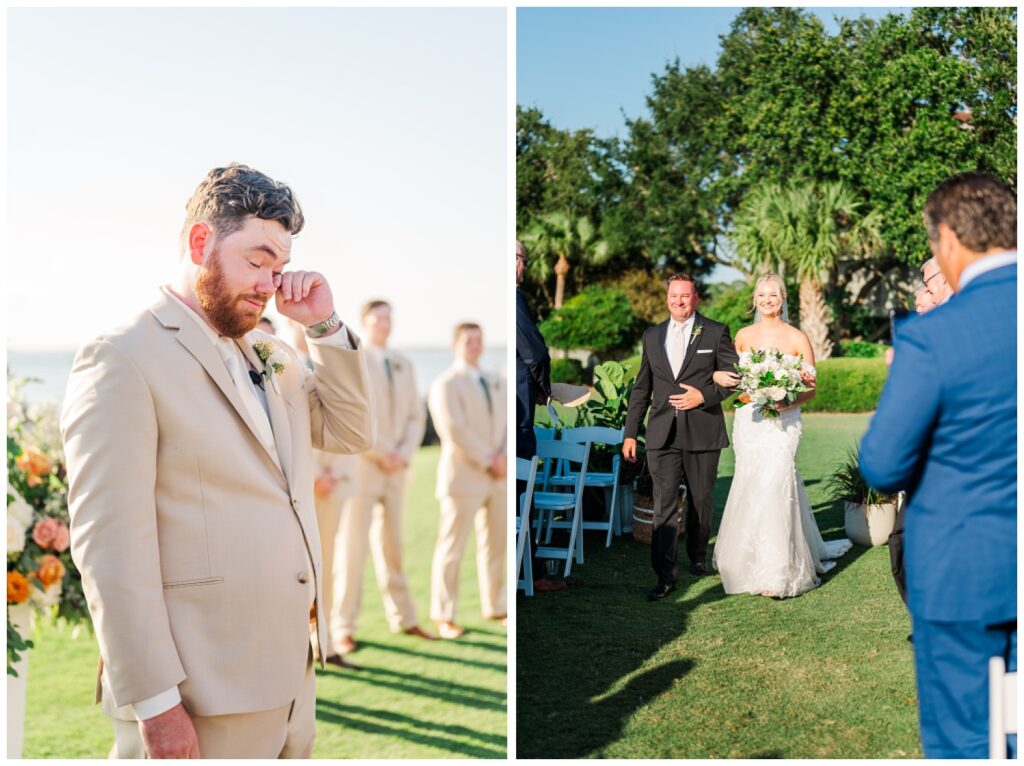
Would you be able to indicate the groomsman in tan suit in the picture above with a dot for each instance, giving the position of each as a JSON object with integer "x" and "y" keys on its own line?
{"x": 187, "y": 435}
{"x": 372, "y": 516}
{"x": 469, "y": 412}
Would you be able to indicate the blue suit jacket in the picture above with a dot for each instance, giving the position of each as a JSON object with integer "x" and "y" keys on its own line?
{"x": 946, "y": 429}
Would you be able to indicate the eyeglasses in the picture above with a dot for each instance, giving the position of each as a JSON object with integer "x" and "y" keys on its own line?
{"x": 931, "y": 278}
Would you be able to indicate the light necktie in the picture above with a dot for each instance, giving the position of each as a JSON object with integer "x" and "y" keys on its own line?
{"x": 675, "y": 348}
{"x": 487, "y": 393}
{"x": 228, "y": 352}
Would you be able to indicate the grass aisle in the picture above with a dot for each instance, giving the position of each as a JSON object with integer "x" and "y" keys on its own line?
{"x": 414, "y": 699}
{"x": 604, "y": 673}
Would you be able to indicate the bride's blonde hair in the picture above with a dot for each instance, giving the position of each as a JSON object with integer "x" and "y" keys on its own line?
{"x": 777, "y": 281}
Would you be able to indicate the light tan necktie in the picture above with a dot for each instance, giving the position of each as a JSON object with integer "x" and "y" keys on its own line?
{"x": 229, "y": 353}
{"x": 675, "y": 348}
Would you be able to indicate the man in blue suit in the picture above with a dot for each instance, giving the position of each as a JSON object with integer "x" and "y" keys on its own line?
{"x": 946, "y": 430}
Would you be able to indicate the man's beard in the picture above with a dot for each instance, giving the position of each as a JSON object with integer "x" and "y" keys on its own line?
{"x": 229, "y": 314}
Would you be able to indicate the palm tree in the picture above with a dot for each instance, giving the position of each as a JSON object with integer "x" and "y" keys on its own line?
{"x": 806, "y": 229}
{"x": 556, "y": 242}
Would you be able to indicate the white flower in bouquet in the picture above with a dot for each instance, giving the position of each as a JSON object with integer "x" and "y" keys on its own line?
{"x": 768, "y": 377}
{"x": 43, "y": 599}
{"x": 19, "y": 518}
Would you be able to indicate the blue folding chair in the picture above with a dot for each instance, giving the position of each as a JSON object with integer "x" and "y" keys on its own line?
{"x": 606, "y": 480}
{"x": 569, "y": 503}
{"x": 526, "y": 470}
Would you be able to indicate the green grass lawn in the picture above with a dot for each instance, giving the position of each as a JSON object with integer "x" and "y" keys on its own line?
{"x": 601, "y": 672}
{"x": 414, "y": 699}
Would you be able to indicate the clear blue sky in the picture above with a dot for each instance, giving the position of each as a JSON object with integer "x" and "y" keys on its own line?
{"x": 390, "y": 124}
{"x": 584, "y": 66}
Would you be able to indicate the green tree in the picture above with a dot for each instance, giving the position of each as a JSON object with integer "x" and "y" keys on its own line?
{"x": 557, "y": 243}
{"x": 597, "y": 319}
{"x": 806, "y": 229}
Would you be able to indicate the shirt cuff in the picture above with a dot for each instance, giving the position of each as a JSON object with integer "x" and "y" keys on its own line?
{"x": 157, "y": 704}
{"x": 339, "y": 339}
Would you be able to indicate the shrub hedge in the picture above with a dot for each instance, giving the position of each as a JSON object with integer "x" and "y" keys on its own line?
{"x": 861, "y": 349}
{"x": 569, "y": 371}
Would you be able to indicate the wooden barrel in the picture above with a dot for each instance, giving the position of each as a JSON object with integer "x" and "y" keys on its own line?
{"x": 643, "y": 516}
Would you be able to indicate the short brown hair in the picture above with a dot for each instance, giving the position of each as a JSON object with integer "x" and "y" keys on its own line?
{"x": 230, "y": 195}
{"x": 683, "y": 277}
{"x": 462, "y": 327}
{"x": 371, "y": 305}
{"x": 980, "y": 209}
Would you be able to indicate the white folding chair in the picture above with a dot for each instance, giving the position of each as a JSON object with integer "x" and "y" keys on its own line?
{"x": 606, "y": 480}
{"x": 570, "y": 503}
{"x": 1002, "y": 706}
{"x": 526, "y": 470}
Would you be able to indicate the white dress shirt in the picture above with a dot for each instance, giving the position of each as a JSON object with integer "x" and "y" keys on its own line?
{"x": 988, "y": 263}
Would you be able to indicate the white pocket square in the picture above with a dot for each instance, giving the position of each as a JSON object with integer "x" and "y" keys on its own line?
{"x": 704, "y": 350}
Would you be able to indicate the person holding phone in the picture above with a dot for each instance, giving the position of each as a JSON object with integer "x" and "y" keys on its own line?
{"x": 188, "y": 438}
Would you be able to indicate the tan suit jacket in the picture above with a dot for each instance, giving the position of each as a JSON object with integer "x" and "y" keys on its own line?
{"x": 470, "y": 431}
{"x": 194, "y": 546}
{"x": 401, "y": 420}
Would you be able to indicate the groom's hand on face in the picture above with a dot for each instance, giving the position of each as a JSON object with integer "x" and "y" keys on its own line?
{"x": 629, "y": 450}
{"x": 690, "y": 399}
{"x": 170, "y": 735}
{"x": 304, "y": 296}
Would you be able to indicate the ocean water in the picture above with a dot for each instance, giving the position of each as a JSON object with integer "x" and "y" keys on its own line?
{"x": 52, "y": 369}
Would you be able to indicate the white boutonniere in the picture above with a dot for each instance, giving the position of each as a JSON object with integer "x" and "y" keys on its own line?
{"x": 274, "y": 359}
{"x": 696, "y": 333}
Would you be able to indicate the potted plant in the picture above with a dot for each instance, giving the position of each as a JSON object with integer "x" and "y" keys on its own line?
{"x": 870, "y": 515}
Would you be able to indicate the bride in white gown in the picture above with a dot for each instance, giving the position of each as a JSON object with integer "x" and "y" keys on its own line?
{"x": 768, "y": 542}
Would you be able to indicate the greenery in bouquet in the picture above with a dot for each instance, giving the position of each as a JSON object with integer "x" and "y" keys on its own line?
{"x": 39, "y": 566}
{"x": 768, "y": 377}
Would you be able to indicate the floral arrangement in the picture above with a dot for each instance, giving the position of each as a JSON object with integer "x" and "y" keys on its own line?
{"x": 275, "y": 360}
{"x": 39, "y": 566}
{"x": 768, "y": 377}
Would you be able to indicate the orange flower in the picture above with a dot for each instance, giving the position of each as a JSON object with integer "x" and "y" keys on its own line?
{"x": 51, "y": 570}
{"x": 35, "y": 463}
{"x": 17, "y": 588}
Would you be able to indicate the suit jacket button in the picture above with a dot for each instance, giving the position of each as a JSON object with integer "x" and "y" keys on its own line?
{"x": 303, "y": 577}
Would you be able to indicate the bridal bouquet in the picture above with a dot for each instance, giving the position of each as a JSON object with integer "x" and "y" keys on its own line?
{"x": 768, "y": 377}
{"x": 39, "y": 566}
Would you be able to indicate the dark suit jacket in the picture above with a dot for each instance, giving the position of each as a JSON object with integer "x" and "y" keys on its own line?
{"x": 533, "y": 375}
{"x": 946, "y": 429}
{"x": 702, "y": 428}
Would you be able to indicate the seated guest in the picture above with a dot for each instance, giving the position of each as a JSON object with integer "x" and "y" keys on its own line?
{"x": 946, "y": 431}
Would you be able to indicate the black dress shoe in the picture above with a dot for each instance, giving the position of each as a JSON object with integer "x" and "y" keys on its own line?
{"x": 338, "y": 661}
{"x": 698, "y": 570}
{"x": 659, "y": 591}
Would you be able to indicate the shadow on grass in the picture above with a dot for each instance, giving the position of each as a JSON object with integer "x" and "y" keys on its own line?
{"x": 446, "y": 691}
{"x": 583, "y": 654}
{"x": 447, "y": 737}
{"x": 499, "y": 667}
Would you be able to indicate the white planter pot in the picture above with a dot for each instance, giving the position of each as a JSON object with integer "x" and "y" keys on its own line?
{"x": 870, "y": 525}
{"x": 21, "y": 618}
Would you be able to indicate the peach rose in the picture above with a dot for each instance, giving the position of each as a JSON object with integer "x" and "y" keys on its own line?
{"x": 35, "y": 463}
{"x": 62, "y": 539}
{"x": 51, "y": 570}
{"x": 45, "y": 533}
{"x": 17, "y": 588}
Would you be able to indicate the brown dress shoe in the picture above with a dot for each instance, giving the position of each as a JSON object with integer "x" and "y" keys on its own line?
{"x": 544, "y": 585}
{"x": 338, "y": 661}
{"x": 345, "y": 645}
{"x": 417, "y": 631}
{"x": 449, "y": 630}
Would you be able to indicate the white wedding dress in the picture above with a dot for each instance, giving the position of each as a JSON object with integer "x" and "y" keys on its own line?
{"x": 768, "y": 541}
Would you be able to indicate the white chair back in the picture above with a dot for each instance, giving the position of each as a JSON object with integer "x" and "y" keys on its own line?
{"x": 1002, "y": 707}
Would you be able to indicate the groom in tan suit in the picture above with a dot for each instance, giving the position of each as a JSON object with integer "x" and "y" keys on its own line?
{"x": 469, "y": 411}
{"x": 188, "y": 436}
{"x": 372, "y": 515}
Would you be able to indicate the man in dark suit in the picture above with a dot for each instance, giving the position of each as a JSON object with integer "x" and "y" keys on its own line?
{"x": 946, "y": 431}
{"x": 686, "y": 430}
{"x": 533, "y": 384}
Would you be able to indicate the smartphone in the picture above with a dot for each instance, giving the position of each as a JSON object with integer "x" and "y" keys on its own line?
{"x": 897, "y": 317}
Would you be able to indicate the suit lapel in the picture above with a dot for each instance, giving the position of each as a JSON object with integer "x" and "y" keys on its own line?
{"x": 171, "y": 316}
{"x": 659, "y": 355}
{"x": 691, "y": 348}
{"x": 277, "y": 410}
